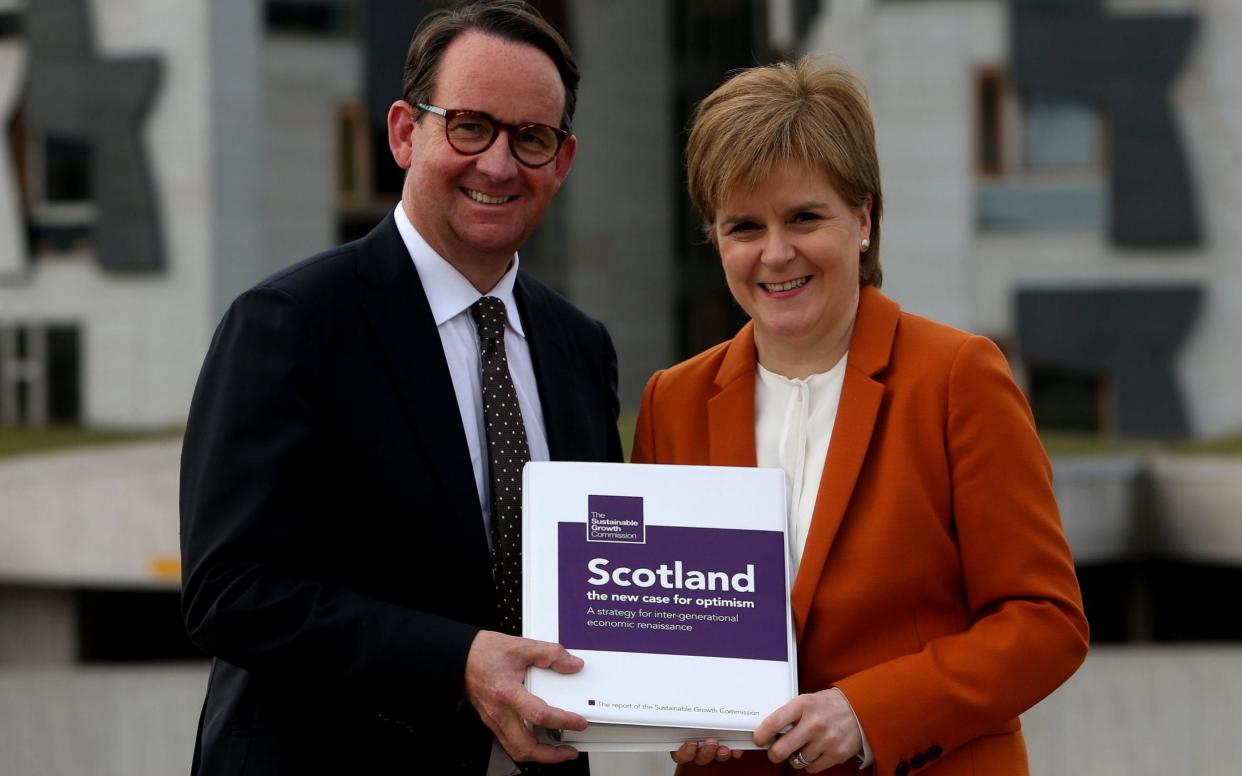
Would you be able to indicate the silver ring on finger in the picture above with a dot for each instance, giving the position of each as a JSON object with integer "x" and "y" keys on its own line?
{"x": 798, "y": 761}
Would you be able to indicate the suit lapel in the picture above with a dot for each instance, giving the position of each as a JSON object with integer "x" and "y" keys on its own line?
{"x": 731, "y": 412}
{"x": 550, "y": 357}
{"x": 861, "y": 398}
{"x": 405, "y": 331}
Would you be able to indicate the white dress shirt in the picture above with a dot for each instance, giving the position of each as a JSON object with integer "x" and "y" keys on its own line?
{"x": 450, "y": 296}
{"x": 793, "y": 427}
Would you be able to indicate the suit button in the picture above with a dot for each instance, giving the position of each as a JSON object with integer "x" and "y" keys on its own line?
{"x": 934, "y": 752}
{"x": 903, "y": 768}
{"x": 918, "y": 761}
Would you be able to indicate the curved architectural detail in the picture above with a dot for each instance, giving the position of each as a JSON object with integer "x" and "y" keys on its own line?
{"x": 75, "y": 93}
{"x": 1070, "y": 48}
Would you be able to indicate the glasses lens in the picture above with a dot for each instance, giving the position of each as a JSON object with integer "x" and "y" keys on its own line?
{"x": 535, "y": 143}
{"x": 470, "y": 132}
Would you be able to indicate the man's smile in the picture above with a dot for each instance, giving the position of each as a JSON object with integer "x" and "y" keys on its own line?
{"x": 486, "y": 199}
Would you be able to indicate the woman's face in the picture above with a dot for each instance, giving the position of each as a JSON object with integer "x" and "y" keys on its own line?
{"x": 790, "y": 250}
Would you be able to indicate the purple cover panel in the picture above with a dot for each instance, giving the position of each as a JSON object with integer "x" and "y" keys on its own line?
{"x": 707, "y": 592}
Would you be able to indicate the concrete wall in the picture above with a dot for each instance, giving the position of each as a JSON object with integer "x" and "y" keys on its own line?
{"x": 621, "y": 214}
{"x": 305, "y": 80}
{"x": 37, "y": 627}
{"x": 233, "y": 29}
{"x": 103, "y": 517}
{"x": 108, "y": 516}
{"x": 133, "y": 721}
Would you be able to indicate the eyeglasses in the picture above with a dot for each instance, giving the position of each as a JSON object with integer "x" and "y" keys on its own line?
{"x": 472, "y": 132}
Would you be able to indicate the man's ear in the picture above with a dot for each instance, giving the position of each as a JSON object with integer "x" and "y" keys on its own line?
{"x": 401, "y": 127}
{"x": 565, "y": 158}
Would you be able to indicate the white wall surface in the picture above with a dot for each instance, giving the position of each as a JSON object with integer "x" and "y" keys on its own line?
{"x": 919, "y": 61}
{"x": 142, "y": 336}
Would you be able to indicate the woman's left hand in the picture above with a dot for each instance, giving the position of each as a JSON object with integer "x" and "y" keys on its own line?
{"x": 704, "y": 752}
{"x": 824, "y": 731}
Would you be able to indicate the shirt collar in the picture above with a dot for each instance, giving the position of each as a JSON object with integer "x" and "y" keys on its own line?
{"x": 815, "y": 382}
{"x": 448, "y": 292}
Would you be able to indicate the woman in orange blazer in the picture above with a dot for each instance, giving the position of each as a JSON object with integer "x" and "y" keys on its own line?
{"x": 935, "y": 598}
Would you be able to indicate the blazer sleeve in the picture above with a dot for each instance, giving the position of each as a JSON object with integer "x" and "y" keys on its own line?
{"x": 253, "y": 463}
{"x": 1027, "y": 632}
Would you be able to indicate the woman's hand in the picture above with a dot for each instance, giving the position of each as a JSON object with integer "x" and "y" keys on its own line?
{"x": 822, "y": 729}
{"x": 704, "y": 752}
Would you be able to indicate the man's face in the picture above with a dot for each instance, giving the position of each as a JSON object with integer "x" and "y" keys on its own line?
{"x": 475, "y": 211}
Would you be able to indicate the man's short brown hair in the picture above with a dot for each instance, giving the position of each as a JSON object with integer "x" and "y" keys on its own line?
{"x": 510, "y": 20}
{"x": 798, "y": 113}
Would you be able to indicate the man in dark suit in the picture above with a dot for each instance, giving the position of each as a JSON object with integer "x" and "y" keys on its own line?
{"x": 338, "y": 509}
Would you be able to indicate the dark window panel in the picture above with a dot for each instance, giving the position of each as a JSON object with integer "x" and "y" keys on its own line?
{"x": 326, "y": 18}
{"x": 17, "y": 134}
{"x": 1067, "y": 399}
{"x": 990, "y": 91}
{"x": 67, "y": 169}
{"x": 64, "y": 375}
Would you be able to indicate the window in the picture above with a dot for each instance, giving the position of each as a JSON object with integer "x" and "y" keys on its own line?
{"x": 1069, "y": 400}
{"x": 354, "y": 186}
{"x": 58, "y": 184}
{"x": 40, "y": 374}
{"x": 66, "y": 169}
{"x": 17, "y": 151}
{"x": 1061, "y": 135}
{"x": 991, "y": 124}
{"x": 320, "y": 18}
{"x": 1041, "y": 162}
{"x": 363, "y": 179}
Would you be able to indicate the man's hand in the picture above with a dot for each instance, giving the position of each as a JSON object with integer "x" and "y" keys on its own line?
{"x": 495, "y": 669}
{"x": 822, "y": 728}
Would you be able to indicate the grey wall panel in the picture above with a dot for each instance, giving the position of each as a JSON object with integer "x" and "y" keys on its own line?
{"x": 72, "y": 91}
{"x": 1125, "y": 65}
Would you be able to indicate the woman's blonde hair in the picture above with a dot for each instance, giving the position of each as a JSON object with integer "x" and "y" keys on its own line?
{"x": 799, "y": 113}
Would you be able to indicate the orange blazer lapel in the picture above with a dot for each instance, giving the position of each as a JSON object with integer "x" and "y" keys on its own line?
{"x": 731, "y": 412}
{"x": 861, "y": 395}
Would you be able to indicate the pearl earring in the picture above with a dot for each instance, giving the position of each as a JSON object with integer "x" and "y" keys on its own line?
{"x": 865, "y": 245}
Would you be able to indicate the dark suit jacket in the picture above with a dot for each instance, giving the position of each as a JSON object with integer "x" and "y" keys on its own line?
{"x": 936, "y": 589}
{"x": 335, "y": 558}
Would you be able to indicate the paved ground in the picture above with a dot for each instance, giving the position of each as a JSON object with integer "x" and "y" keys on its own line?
{"x": 1129, "y": 712}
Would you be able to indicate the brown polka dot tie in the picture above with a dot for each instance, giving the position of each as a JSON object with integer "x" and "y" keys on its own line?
{"x": 507, "y": 453}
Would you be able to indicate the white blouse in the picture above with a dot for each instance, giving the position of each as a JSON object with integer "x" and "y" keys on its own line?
{"x": 793, "y": 426}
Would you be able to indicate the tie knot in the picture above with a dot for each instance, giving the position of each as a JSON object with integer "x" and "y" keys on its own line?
{"x": 489, "y": 317}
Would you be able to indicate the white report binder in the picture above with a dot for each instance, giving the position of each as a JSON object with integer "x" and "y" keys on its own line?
{"x": 672, "y": 584}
